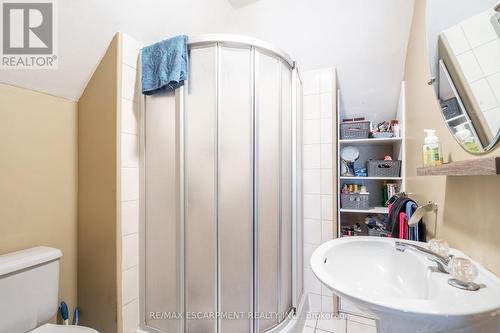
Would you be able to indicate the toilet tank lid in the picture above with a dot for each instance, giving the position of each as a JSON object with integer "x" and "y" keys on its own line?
{"x": 19, "y": 260}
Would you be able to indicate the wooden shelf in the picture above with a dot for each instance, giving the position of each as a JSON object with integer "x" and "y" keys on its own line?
{"x": 370, "y": 141}
{"x": 476, "y": 167}
{"x": 373, "y": 210}
{"x": 371, "y": 178}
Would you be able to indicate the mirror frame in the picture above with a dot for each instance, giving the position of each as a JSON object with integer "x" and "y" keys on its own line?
{"x": 434, "y": 82}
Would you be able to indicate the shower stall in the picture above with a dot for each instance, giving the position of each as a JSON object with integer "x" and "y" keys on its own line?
{"x": 221, "y": 229}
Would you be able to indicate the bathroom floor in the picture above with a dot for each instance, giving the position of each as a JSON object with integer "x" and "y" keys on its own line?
{"x": 351, "y": 324}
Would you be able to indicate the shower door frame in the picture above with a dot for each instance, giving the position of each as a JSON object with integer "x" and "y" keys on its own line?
{"x": 296, "y": 179}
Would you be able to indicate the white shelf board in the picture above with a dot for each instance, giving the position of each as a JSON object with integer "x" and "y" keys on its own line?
{"x": 371, "y": 141}
{"x": 374, "y": 210}
{"x": 371, "y": 178}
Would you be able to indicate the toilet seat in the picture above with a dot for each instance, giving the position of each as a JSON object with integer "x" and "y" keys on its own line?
{"x": 51, "y": 328}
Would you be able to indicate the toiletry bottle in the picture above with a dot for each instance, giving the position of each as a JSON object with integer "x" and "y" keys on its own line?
{"x": 432, "y": 149}
{"x": 396, "y": 129}
{"x": 465, "y": 137}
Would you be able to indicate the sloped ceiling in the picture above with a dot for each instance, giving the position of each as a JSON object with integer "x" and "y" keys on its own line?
{"x": 366, "y": 40}
{"x": 87, "y": 27}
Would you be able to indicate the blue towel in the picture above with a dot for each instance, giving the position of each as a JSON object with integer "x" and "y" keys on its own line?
{"x": 411, "y": 206}
{"x": 164, "y": 65}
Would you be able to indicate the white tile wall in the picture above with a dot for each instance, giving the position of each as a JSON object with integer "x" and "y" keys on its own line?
{"x": 326, "y": 156}
{"x": 312, "y": 156}
{"x": 326, "y": 105}
{"x": 326, "y": 230}
{"x": 470, "y": 66}
{"x": 318, "y": 201}
{"x": 310, "y": 82}
{"x": 326, "y": 182}
{"x": 312, "y": 181}
{"x": 130, "y": 217}
{"x": 457, "y": 40}
{"x": 478, "y": 30}
{"x": 483, "y": 94}
{"x": 494, "y": 82}
{"x": 313, "y": 231}
{"x": 311, "y": 284}
{"x": 129, "y": 150}
{"x": 131, "y": 316}
{"x": 476, "y": 45}
{"x": 311, "y": 107}
{"x": 488, "y": 56}
{"x": 493, "y": 118}
{"x": 355, "y": 327}
{"x": 333, "y": 325}
{"x": 312, "y": 131}
{"x": 318, "y": 186}
{"x": 327, "y": 207}
{"x": 129, "y": 222}
{"x": 130, "y": 183}
{"x": 312, "y": 206}
{"x": 130, "y": 251}
{"x": 129, "y": 77}
{"x": 130, "y": 286}
{"x": 129, "y": 121}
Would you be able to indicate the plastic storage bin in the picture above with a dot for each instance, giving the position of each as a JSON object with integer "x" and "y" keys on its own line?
{"x": 381, "y": 168}
{"x": 355, "y": 201}
{"x": 355, "y": 129}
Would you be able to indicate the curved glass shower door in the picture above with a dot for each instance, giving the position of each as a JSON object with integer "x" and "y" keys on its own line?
{"x": 219, "y": 217}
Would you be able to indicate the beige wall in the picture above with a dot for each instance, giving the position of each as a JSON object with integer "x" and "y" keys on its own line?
{"x": 468, "y": 206}
{"x": 97, "y": 195}
{"x": 38, "y": 172}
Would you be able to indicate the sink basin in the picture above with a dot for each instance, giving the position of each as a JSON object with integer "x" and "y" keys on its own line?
{"x": 403, "y": 290}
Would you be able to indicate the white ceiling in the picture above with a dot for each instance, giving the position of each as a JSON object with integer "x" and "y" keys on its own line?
{"x": 241, "y": 3}
{"x": 365, "y": 40}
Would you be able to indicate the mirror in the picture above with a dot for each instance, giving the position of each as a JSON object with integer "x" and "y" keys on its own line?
{"x": 464, "y": 53}
{"x": 349, "y": 155}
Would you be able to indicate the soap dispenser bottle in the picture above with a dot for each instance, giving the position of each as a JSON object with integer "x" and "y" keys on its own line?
{"x": 432, "y": 149}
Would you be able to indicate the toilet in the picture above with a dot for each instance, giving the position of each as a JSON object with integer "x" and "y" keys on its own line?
{"x": 29, "y": 285}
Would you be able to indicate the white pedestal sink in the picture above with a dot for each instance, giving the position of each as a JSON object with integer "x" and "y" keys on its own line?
{"x": 402, "y": 290}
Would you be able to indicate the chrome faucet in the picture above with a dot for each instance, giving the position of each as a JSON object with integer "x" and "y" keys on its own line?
{"x": 441, "y": 261}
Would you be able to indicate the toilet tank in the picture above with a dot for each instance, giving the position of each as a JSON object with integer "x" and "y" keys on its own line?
{"x": 29, "y": 285}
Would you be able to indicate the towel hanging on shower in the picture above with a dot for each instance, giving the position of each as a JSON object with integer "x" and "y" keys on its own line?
{"x": 164, "y": 65}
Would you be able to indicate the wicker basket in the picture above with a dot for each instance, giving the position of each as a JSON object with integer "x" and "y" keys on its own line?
{"x": 380, "y": 168}
{"x": 355, "y": 129}
{"x": 355, "y": 201}
{"x": 451, "y": 108}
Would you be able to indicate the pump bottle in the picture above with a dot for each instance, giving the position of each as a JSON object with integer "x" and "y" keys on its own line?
{"x": 432, "y": 149}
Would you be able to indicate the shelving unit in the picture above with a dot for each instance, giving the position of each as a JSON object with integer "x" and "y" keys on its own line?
{"x": 370, "y": 149}
{"x": 373, "y": 210}
{"x": 370, "y": 141}
{"x": 369, "y": 178}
